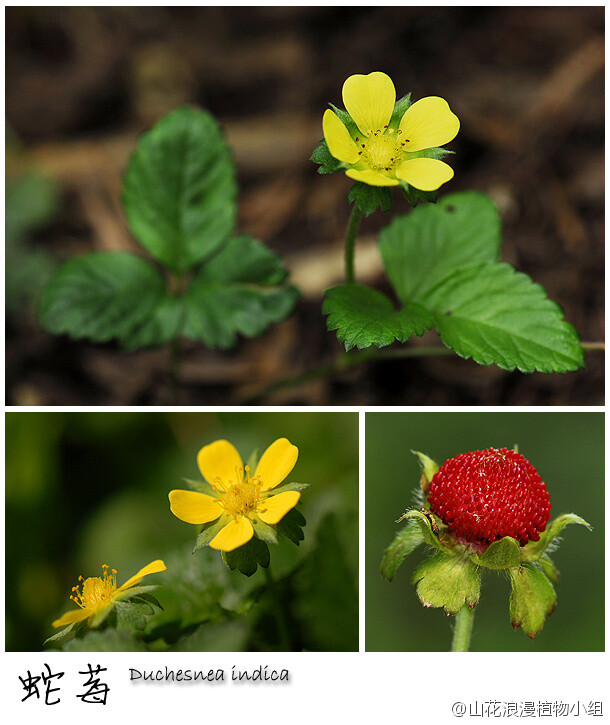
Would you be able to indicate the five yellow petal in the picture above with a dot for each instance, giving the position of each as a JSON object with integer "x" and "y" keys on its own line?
{"x": 194, "y": 507}
{"x": 369, "y": 100}
{"x": 276, "y": 463}
{"x": 219, "y": 464}
{"x": 235, "y": 534}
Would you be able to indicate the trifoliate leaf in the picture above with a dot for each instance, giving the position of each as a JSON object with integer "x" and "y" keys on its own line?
{"x": 496, "y": 315}
{"x": 367, "y": 198}
{"x": 532, "y": 598}
{"x": 161, "y": 326}
{"x": 420, "y": 249}
{"x": 238, "y": 291}
{"x": 447, "y": 581}
{"x": 179, "y": 190}
{"x": 405, "y": 542}
{"x": 101, "y": 296}
{"x": 501, "y": 554}
{"x": 533, "y": 549}
{"x": 363, "y": 317}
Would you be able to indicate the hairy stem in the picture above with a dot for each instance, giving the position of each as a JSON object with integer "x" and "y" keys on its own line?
{"x": 350, "y": 243}
{"x": 463, "y": 629}
{"x": 280, "y": 613}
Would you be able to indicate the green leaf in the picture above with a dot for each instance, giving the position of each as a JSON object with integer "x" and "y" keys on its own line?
{"x": 236, "y": 292}
{"x": 30, "y": 201}
{"x": 447, "y": 581}
{"x": 422, "y": 248}
{"x": 130, "y": 616}
{"x": 291, "y": 526}
{"x": 496, "y": 315}
{"x": 532, "y": 598}
{"x": 368, "y": 198}
{"x": 501, "y": 554}
{"x": 110, "y": 640}
{"x": 101, "y": 296}
{"x": 405, "y": 542}
{"x": 179, "y": 190}
{"x": 363, "y": 317}
{"x": 328, "y": 164}
{"x": 533, "y": 549}
{"x": 248, "y": 557}
{"x": 161, "y": 326}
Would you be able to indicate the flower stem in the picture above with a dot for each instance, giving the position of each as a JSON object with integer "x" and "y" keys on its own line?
{"x": 280, "y": 613}
{"x": 174, "y": 367}
{"x": 350, "y": 243}
{"x": 463, "y": 629}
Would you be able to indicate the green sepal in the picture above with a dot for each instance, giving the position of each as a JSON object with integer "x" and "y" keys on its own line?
{"x": 135, "y": 592}
{"x": 405, "y": 542}
{"x": 66, "y": 633}
{"x": 290, "y": 487}
{"x": 430, "y": 537}
{"x": 201, "y": 487}
{"x": 248, "y": 557}
{"x": 210, "y": 530}
{"x": 291, "y": 526}
{"x": 414, "y": 196}
{"x": 264, "y": 531}
{"x": 253, "y": 460}
{"x": 368, "y": 198}
{"x": 502, "y": 554}
{"x": 347, "y": 121}
{"x": 548, "y": 567}
{"x": 429, "y": 467}
{"x": 532, "y": 597}
{"x": 447, "y": 581}
{"x": 533, "y": 549}
{"x": 130, "y": 616}
{"x": 149, "y": 599}
{"x": 328, "y": 164}
{"x": 110, "y": 640}
{"x": 97, "y": 619}
{"x": 400, "y": 107}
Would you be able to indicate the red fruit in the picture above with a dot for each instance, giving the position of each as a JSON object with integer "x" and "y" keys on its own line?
{"x": 485, "y": 495}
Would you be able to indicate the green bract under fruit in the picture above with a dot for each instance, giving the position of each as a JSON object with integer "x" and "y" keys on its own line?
{"x": 450, "y": 578}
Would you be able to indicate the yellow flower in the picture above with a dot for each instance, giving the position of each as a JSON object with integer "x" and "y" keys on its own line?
{"x": 99, "y": 594}
{"x": 381, "y": 153}
{"x": 239, "y": 502}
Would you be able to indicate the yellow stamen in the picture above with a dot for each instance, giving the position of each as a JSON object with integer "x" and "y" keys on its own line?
{"x": 382, "y": 151}
{"x": 95, "y": 590}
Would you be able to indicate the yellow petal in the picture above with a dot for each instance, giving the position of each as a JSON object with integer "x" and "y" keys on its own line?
{"x": 194, "y": 507}
{"x": 424, "y": 174}
{"x": 152, "y": 568}
{"x": 274, "y": 508}
{"x": 220, "y": 464}
{"x": 276, "y": 463}
{"x": 369, "y": 100}
{"x": 339, "y": 142}
{"x": 428, "y": 123}
{"x": 235, "y": 534}
{"x": 74, "y": 615}
{"x": 373, "y": 178}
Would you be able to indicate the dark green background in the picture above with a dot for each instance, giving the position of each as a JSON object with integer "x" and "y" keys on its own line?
{"x": 567, "y": 449}
{"x": 84, "y": 489}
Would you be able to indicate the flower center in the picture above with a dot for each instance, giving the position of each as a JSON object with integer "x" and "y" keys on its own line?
{"x": 382, "y": 151}
{"x": 95, "y": 590}
{"x": 242, "y": 498}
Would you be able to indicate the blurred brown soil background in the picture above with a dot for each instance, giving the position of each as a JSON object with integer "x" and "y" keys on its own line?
{"x": 526, "y": 83}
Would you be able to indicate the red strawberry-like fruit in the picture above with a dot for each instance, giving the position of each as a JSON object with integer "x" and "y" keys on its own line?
{"x": 483, "y": 496}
